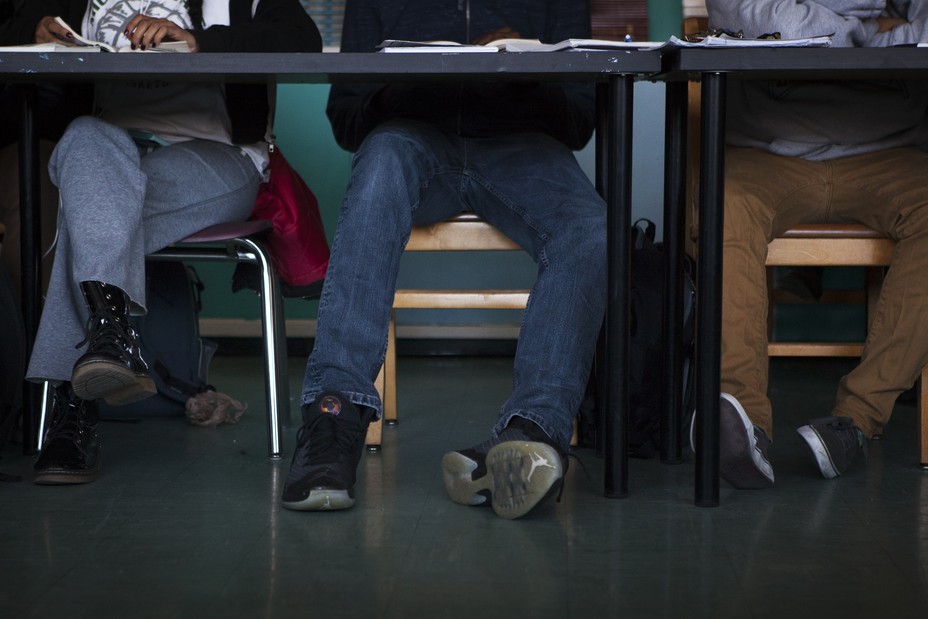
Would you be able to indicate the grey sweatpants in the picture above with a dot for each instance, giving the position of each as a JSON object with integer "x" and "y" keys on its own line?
{"x": 118, "y": 203}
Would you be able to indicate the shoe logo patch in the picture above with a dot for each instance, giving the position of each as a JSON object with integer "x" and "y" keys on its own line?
{"x": 330, "y": 404}
{"x": 537, "y": 462}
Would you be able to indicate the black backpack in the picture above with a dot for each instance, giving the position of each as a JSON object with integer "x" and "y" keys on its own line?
{"x": 645, "y": 370}
{"x": 170, "y": 340}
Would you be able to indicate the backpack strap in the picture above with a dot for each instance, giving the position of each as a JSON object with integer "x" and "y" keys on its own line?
{"x": 179, "y": 385}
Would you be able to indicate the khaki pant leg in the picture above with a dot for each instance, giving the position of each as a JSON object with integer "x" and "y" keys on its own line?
{"x": 764, "y": 196}
{"x": 888, "y": 191}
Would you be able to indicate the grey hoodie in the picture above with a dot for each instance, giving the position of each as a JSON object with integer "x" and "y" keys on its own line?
{"x": 824, "y": 120}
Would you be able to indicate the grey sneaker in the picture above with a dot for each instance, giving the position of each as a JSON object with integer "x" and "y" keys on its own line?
{"x": 834, "y": 443}
{"x": 742, "y": 447}
{"x": 514, "y": 472}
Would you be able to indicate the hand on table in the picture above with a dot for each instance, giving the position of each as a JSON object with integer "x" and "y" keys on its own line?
{"x": 144, "y": 32}
{"x": 502, "y": 33}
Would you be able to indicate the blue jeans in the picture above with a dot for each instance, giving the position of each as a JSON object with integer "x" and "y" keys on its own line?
{"x": 527, "y": 185}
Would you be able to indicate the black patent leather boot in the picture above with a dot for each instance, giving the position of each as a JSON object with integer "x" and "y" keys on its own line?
{"x": 71, "y": 451}
{"x": 112, "y": 368}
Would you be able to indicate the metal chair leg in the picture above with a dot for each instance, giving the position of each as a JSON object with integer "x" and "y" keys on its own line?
{"x": 278, "y": 402}
{"x": 44, "y": 403}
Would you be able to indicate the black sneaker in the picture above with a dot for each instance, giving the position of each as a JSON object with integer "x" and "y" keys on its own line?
{"x": 328, "y": 449}
{"x": 742, "y": 447}
{"x": 834, "y": 443}
{"x": 112, "y": 368}
{"x": 514, "y": 472}
{"x": 71, "y": 451}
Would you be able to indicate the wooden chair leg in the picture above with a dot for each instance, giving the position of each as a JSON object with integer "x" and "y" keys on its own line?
{"x": 375, "y": 430}
{"x": 923, "y": 418}
{"x": 388, "y": 395}
{"x": 771, "y": 306}
{"x": 874, "y": 276}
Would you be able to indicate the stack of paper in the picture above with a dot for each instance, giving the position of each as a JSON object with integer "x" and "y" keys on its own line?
{"x": 396, "y": 46}
{"x": 512, "y": 45}
{"x": 725, "y": 40}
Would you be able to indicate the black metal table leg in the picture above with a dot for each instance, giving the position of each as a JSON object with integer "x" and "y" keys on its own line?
{"x": 619, "y": 206}
{"x": 30, "y": 235}
{"x": 709, "y": 289}
{"x": 675, "y": 146}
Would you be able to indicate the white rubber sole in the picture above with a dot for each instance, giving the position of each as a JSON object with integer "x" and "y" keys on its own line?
{"x": 322, "y": 500}
{"x": 519, "y": 476}
{"x": 819, "y": 451}
{"x": 741, "y": 462}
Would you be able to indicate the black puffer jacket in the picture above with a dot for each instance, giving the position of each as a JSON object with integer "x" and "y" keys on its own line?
{"x": 563, "y": 111}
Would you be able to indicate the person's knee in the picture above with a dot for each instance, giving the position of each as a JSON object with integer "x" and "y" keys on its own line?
{"x": 584, "y": 235}
{"x": 85, "y": 128}
{"x": 745, "y": 218}
{"x": 396, "y": 140}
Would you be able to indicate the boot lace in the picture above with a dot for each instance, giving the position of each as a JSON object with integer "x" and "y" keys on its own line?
{"x": 105, "y": 331}
{"x": 317, "y": 440}
{"x": 67, "y": 424}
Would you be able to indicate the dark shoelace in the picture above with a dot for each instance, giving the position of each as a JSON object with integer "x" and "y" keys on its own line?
{"x": 321, "y": 437}
{"x": 67, "y": 425}
{"x": 116, "y": 336}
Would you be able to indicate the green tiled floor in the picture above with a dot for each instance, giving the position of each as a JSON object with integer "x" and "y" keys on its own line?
{"x": 185, "y": 522}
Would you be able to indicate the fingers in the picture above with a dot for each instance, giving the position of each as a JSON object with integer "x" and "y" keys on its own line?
{"x": 144, "y": 32}
{"x": 885, "y": 24}
{"x": 502, "y": 33}
{"x": 50, "y": 31}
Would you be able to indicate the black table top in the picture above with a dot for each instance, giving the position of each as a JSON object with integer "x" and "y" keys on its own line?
{"x": 325, "y": 67}
{"x": 797, "y": 62}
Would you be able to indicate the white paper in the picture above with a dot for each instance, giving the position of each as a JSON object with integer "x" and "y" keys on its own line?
{"x": 729, "y": 41}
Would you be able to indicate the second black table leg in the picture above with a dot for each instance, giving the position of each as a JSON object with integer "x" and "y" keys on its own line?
{"x": 709, "y": 288}
{"x": 618, "y": 234}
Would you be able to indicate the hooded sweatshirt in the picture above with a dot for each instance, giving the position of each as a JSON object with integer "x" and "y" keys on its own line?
{"x": 821, "y": 120}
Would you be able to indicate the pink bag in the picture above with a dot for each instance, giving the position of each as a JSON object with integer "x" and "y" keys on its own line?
{"x": 297, "y": 244}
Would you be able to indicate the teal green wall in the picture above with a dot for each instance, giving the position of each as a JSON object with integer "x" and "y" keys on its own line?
{"x": 664, "y": 19}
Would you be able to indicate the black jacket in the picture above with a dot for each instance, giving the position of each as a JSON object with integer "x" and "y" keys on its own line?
{"x": 277, "y": 26}
{"x": 563, "y": 111}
